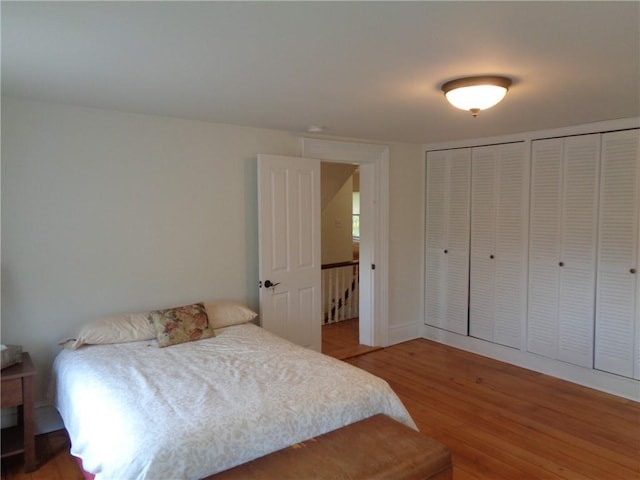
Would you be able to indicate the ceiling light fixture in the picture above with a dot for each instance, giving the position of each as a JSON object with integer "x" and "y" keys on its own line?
{"x": 476, "y": 93}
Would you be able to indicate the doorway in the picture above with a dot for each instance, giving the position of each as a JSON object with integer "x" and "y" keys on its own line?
{"x": 340, "y": 212}
{"x": 372, "y": 161}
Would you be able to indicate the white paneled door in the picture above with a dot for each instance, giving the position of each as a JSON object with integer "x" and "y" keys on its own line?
{"x": 289, "y": 248}
{"x": 617, "y": 346}
{"x": 447, "y": 239}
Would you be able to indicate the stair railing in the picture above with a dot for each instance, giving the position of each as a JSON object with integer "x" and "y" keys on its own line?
{"x": 340, "y": 291}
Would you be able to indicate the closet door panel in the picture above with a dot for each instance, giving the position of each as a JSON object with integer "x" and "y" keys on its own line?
{"x": 447, "y": 239}
{"x": 617, "y": 343}
{"x": 544, "y": 246}
{"x": 511, "y": 244}
{"x": 578, "y": 249}
{"x": 459, "y": 182}
{"x": 483, "y": 240}
{"x": 436, "y": 216}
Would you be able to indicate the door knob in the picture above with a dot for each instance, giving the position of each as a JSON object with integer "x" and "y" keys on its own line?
{"x": 270, "y": 284}
{"x": 633, "y": 270}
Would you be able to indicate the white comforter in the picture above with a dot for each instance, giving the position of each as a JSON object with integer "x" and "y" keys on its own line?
{"x": 136, "y": 411}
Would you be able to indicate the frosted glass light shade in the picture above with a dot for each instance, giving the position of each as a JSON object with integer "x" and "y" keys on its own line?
{"x": 476, "y": 93}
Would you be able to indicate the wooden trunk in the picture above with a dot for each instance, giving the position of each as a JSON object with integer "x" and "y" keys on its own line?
{"x": 377, "y": 448}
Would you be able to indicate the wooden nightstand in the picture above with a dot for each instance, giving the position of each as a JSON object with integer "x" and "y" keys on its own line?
{"x": 17, "y": 391}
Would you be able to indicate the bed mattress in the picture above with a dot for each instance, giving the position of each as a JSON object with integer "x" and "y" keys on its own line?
{"x": 136, "y": 411}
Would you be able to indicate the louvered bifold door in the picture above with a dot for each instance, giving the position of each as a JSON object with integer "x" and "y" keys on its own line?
{"x": 562, "y": 248}
{"x": 544, "y": 246}
{"x": 499, "y": 210}
{"x": 436, "y": 220}
{"x": 447, "y": 239}
{"x": 458, "y": 241}
{"x": 483, "y": 242}
{"x": 512, "y": 209}
{"x": 577, "y": 262}
{"x": 617, "y": 347}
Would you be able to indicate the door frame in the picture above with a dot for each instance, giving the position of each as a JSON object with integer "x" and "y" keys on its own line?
{"x": 374, "y": 159}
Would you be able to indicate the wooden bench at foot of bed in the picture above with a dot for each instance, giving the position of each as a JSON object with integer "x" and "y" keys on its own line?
{"x": 377, "y": 448}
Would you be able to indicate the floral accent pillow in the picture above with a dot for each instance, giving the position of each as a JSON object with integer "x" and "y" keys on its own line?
{"x": 181, "y": 324}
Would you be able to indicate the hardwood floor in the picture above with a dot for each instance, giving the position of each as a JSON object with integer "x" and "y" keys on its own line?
{"x": 505, "y": 422}
{"x": 500, "y": 421}
{"x": 341, "y": 340}
{"x": 52, "y": 457}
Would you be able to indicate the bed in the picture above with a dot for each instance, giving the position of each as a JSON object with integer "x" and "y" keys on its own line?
{"x": 136, "y": 411}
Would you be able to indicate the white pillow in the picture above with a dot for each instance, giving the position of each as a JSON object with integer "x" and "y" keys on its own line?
{"x": 126, "y": 327}
{"x": 226, "y": 313}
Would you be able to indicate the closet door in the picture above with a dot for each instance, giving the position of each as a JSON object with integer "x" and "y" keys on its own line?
{"x": 447, "y": 239}
{"x": 512, "y": 222}
{"x": 544, "y": 247}
{"x": 562, "y": 246}
{"x": 577, "y": 263}
{"x": 483, "y": 242}
{"x": 499, "y": 204}
{"x": 617, "y": 347}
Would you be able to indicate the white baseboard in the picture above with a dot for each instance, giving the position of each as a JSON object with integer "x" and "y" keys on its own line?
{"x": 603, "y": 381}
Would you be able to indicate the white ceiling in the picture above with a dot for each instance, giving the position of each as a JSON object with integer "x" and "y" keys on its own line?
{"x": 369, "y": 70}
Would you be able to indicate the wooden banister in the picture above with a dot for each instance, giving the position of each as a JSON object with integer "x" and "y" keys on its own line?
{"x": 340, "y": 291}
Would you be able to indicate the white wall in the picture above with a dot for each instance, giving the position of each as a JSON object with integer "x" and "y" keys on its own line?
{"x": 332, "y": 178}
{"x": 106, "y": 212}
{"x": 406, "y": 240}
{"x": 337, "y": 237}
